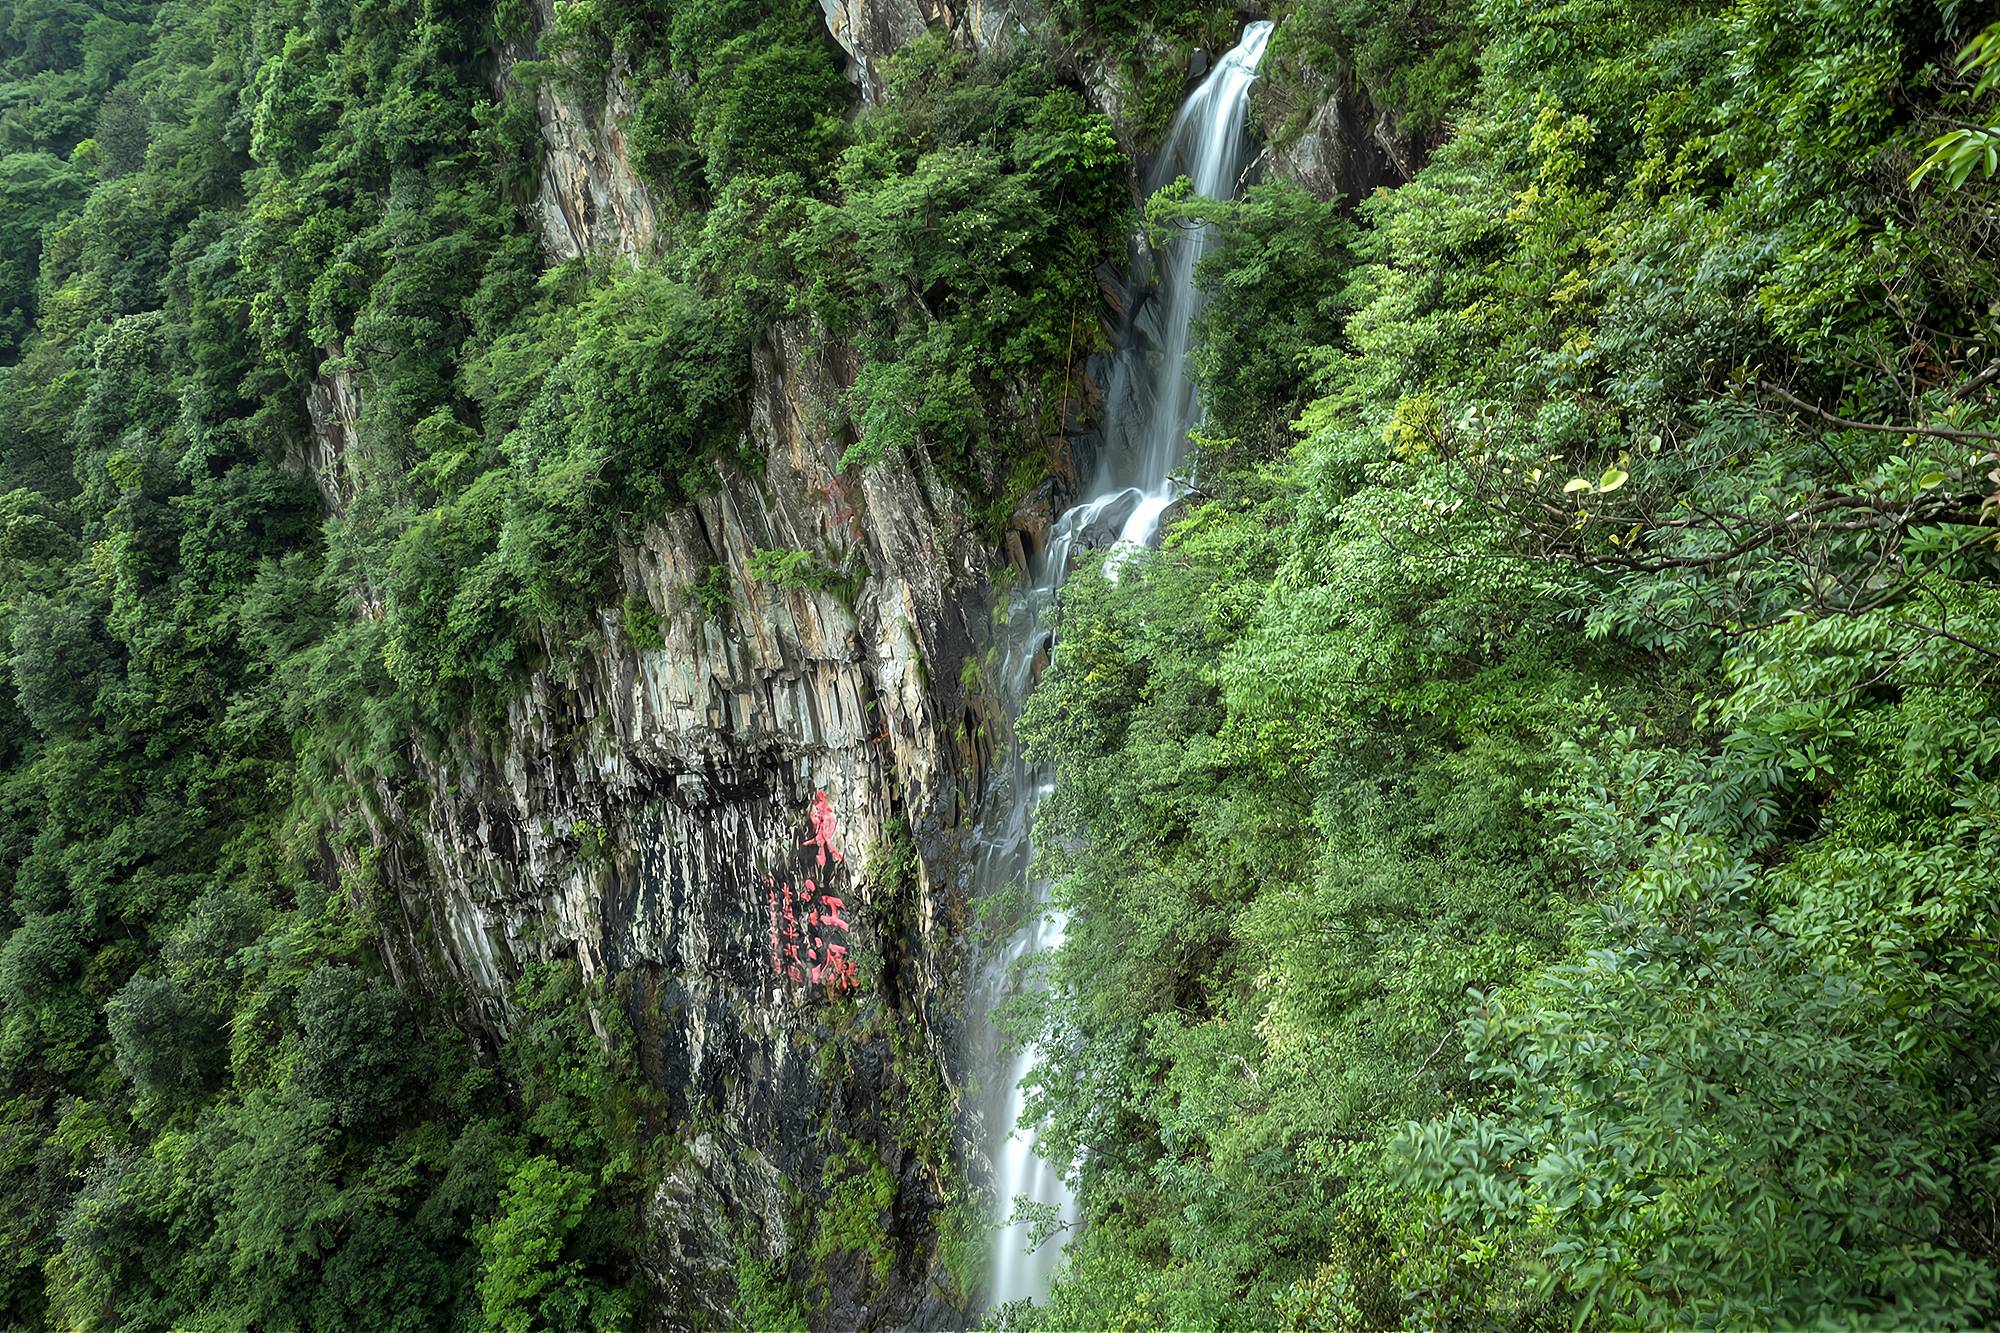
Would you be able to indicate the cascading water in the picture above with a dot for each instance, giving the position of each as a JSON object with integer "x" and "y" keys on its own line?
{"x": 1151, "y": 407}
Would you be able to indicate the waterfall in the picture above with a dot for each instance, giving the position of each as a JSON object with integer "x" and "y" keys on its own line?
{"x": 1151, "y": 407}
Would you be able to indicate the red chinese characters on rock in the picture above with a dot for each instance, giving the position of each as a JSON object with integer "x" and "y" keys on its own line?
{"x": 829, "y": 958}
{"x": 771, "y": 893}
{"x": 825, "y": 961}
{"x": 821, "y": 817}
{"x": 789, "y": 965}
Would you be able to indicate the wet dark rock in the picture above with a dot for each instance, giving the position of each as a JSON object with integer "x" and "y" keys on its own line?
{"x": 1116, "y": 290}
{"x": 1170, "y": 516}
{"x": 1104, "y": 526}
{"x": 1034, "y": 516}
{"x": 1345, "y": 149}
{"x": 1329, "y": 137}
{"x": 643, "y": 802}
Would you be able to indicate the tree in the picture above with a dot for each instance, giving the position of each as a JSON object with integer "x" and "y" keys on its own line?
{"x": 532, "y": 1277}
{"x": 36, "y": 190}
{"x": 354, "y": 1048}
{"x": 166, "y": 1041}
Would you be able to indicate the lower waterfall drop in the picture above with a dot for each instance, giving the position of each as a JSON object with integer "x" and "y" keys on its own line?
{"x": 1151, "y": 407}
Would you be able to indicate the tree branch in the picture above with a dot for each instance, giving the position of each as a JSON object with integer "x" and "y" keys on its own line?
{"x": 1845, "y": 423}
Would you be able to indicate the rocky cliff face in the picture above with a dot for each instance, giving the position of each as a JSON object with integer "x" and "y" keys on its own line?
{"x": 664, "y": 789}
{"x": 590, "y": 200}
{"x": 649, "y": 812}
{"x": 871, "y": 30}
{"x": 1324, "y": 133}
{"x": 1344, "y": 146}
{"x": 664, "y": 797}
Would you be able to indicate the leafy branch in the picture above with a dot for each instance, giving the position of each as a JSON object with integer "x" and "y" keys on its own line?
{"x": 1967, "y": 148}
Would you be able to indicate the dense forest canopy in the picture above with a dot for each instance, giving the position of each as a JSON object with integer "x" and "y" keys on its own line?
{"x": 1527, "y": 837}
{"x": 217, "y": 1110}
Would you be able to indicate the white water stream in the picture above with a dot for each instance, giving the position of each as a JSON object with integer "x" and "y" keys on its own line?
{"x": 1150, "y": 408}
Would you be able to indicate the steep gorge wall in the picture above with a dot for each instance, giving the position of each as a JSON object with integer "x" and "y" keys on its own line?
{"x": 646, "y": 806}
{"x": 647, "y": 800}
{"x": 589, "y": 200}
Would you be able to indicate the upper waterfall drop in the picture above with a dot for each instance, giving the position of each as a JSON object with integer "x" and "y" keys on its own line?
{"x": 1209, "y": 144}
{"x": 1151, "y": 408}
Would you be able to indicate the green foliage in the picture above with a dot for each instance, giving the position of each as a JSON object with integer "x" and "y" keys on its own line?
{"x": 958, "y": 249}
{"x": 784, "y": 567}
{"x": 52, "y": 639}
{"x": 860, "y": 1191}
{"x": 1520, "y": 847}
{"x": 165, "y": 1041}
{"x": 591, "y": 398}
{"x": 1526, "y": 838}
{"x": 1696, "y": 1042}
{"x": 653, "y": 380}
{"x": 965, "y": 1244}
{"x": 643, "y": 625}
{"x": 1964, "y": 149}
{"x": 349, "y": 1054}
{"x": 215, "y": 1109}
{"x": 764, "y": 1299}
{"x": 711, "y": 591}
{"x": 766, "y": 97}
{"x": 792, "y": 569}
{"x": 35, "y": 190}
{"x": 1146, "y": 44}
{"x": 1277, "y": 284}
{"x": 528, "y": 1281}
{"x": 1413, "y": 60}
